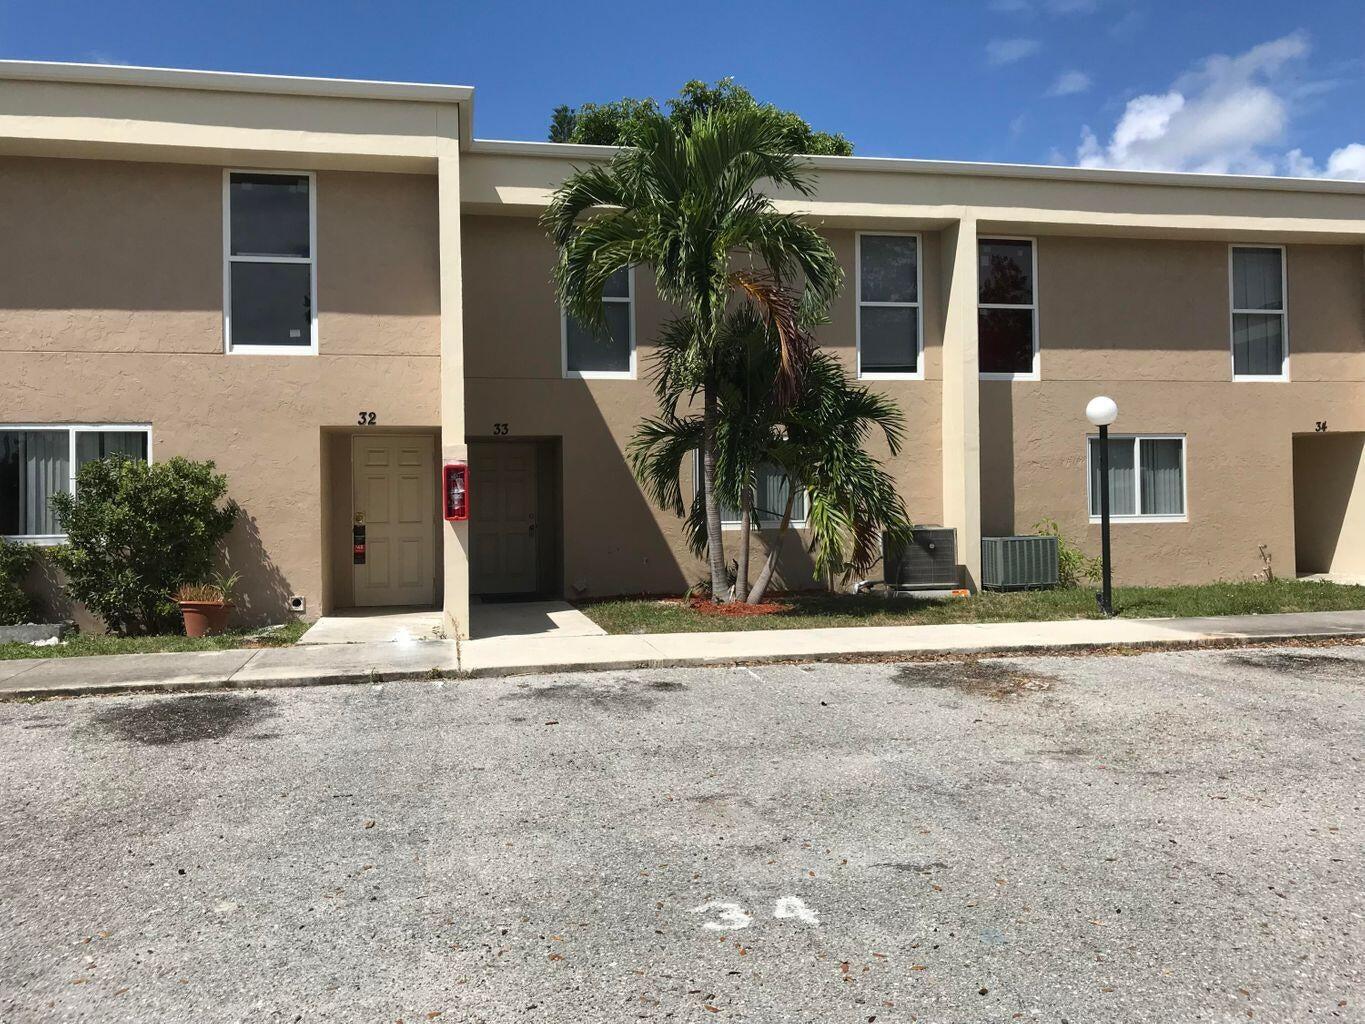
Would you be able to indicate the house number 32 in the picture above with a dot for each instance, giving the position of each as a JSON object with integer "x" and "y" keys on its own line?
{"x": 366, "y": 419}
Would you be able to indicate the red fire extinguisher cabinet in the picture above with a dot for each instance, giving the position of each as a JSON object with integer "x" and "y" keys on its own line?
{"x": 455, "y": 491}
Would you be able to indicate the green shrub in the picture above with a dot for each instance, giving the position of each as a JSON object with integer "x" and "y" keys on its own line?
{"x": 1073, "y": 564}
{"x": 15, "y": 560}
{"x": 136, "y": 532}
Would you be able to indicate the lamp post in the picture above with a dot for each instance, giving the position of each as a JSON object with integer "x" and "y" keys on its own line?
{"x": 1102, "y": 411}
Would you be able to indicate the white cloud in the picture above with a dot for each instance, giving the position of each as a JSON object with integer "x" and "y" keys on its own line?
{"x": 1128, "y": 25}
{"x": 1069, "y": 83}
{"x": 1223, "y": 117}
{"x": 1029, "y": 7}
{"x": 1007, "y": 51}
{"x": 1347, "y": 162}
{"x": 104, "y": 57}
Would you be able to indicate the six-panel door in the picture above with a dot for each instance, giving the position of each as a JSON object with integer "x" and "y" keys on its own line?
{"x": 394, "y": 499}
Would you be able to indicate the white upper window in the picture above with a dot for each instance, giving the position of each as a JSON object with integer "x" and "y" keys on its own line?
{"x": 604, "y": 353}
{"x": 1260, "y": 317}
{"x": 1146, "y": 478}
{"x": 890, "y": 337}
{"x": 1007, "y": 308}
{"x": 41, "y": 460}
{"x": 270, "y": 265}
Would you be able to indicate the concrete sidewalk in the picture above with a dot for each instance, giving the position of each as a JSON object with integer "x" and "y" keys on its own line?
{"x": 511, "y": 655}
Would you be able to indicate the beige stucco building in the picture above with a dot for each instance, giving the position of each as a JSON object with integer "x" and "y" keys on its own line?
{"x": 330, "y": 287}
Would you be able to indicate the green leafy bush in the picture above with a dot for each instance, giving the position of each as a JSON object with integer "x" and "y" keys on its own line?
{"x": 1073, "y": 564}
{"x": 15, "y": 560}
{"x": 136, "y": 532}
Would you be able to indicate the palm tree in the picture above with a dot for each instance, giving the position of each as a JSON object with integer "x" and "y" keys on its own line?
{"x": 815, "y": 441}
{"x": 686, "y": 201}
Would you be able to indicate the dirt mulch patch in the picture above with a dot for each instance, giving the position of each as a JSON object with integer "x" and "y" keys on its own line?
{"x": 737, "y": 609}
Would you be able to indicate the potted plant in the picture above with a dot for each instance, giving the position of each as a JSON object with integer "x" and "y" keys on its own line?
{"x": 205, "y": 606}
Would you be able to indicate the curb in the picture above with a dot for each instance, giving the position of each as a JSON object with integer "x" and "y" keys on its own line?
{"x": 840, "y": 657}
{"x": 923, "y": 654}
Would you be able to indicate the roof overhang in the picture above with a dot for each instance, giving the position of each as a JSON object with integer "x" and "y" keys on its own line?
{"x": 96, "y": 110}
{"x": 873, "y": 192}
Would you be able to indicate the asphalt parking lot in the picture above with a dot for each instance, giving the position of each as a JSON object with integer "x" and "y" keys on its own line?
{"x": 1164, "y": 837}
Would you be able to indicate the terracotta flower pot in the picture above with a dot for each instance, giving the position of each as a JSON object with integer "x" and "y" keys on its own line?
{"x": 204, "y": 618}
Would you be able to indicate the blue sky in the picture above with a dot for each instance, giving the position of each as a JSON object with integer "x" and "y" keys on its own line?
{"x": 1248, "y": 86}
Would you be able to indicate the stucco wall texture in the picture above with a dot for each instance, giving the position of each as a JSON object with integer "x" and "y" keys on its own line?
{"x": 111, "y": 311}
{"x": 111, "y": 307}
{"x": 1147, "y": 323}
{"x": 614, "y": 541}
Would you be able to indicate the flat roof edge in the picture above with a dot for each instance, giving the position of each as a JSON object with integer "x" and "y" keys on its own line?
{"x": 231, "y": 81}
{"x": 1040, "y": 172}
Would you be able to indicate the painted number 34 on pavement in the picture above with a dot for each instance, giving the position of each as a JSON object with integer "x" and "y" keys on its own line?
{"x": 731, "y": 916}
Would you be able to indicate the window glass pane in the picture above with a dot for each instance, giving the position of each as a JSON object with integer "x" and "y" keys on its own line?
{"x": 609, "y": 351}
{"x": 1122, "y": 479}
{"x": 271, "y": 304}
{"x": 98, "y": 444}
{"x": 770, "y": 494}
{"x": 1163, "y": 478}
{"x": 889, "y": 338}
{"x": 887, "y": 268}
{"x": 1258, "y": 344}
{"x": 1005, "y": 340}
{"x": 770, "y": 500}
{"x": 1256, "y": 279}
{"x": 1005, "y": 272}
{"x": 34, "y": 465}
{"x": 268, "y": 214}
{"x": 618, "y": 285}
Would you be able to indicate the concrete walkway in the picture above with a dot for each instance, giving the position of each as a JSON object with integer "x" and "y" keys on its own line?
{"x": 553, "y": 652}
{"x": 486, "y": 619}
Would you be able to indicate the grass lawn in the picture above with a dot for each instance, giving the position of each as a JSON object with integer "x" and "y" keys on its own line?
{"x": 80, "y": 645}
{"x": 822, "y": 609}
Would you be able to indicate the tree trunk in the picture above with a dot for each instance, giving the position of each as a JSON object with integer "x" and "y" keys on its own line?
{"x": 746, "y": 504}
{"x": 715, "y": 545}
{"x": 765, "y": 574}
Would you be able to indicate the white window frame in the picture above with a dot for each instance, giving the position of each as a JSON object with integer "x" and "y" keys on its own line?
{"x": 1138, "y": 517}
{"x": 917, "y": 305}
{"x": 629, "y": 301}
{"x": 734, "y": 524}
{"x": 1036, "y": 372}
{"x": 1283, "y": 311}
{"x": 311, "y": 349}
{"x": 72, "y": 430}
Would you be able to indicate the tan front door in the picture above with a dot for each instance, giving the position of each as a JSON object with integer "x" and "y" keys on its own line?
{"x": 393, "y": 490}
{"x": 502, "y": 510}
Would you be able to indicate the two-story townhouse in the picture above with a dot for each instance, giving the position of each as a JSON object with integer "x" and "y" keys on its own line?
{"x": 330, "y": 287}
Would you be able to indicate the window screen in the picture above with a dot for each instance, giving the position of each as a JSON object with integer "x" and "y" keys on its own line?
{"x": 609, "y": 352}
{"x": 1258, "y": 312}
{"x": 1146, "y": 477}
{"x": 1007, "y": 312}
{"x": 888, "y": 304}
{"x": 270, "y": 261}
{"x": 36, "y": 464}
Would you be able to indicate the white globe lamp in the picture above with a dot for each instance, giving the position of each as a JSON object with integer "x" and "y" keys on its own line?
{"x": 1102, "y": 411}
